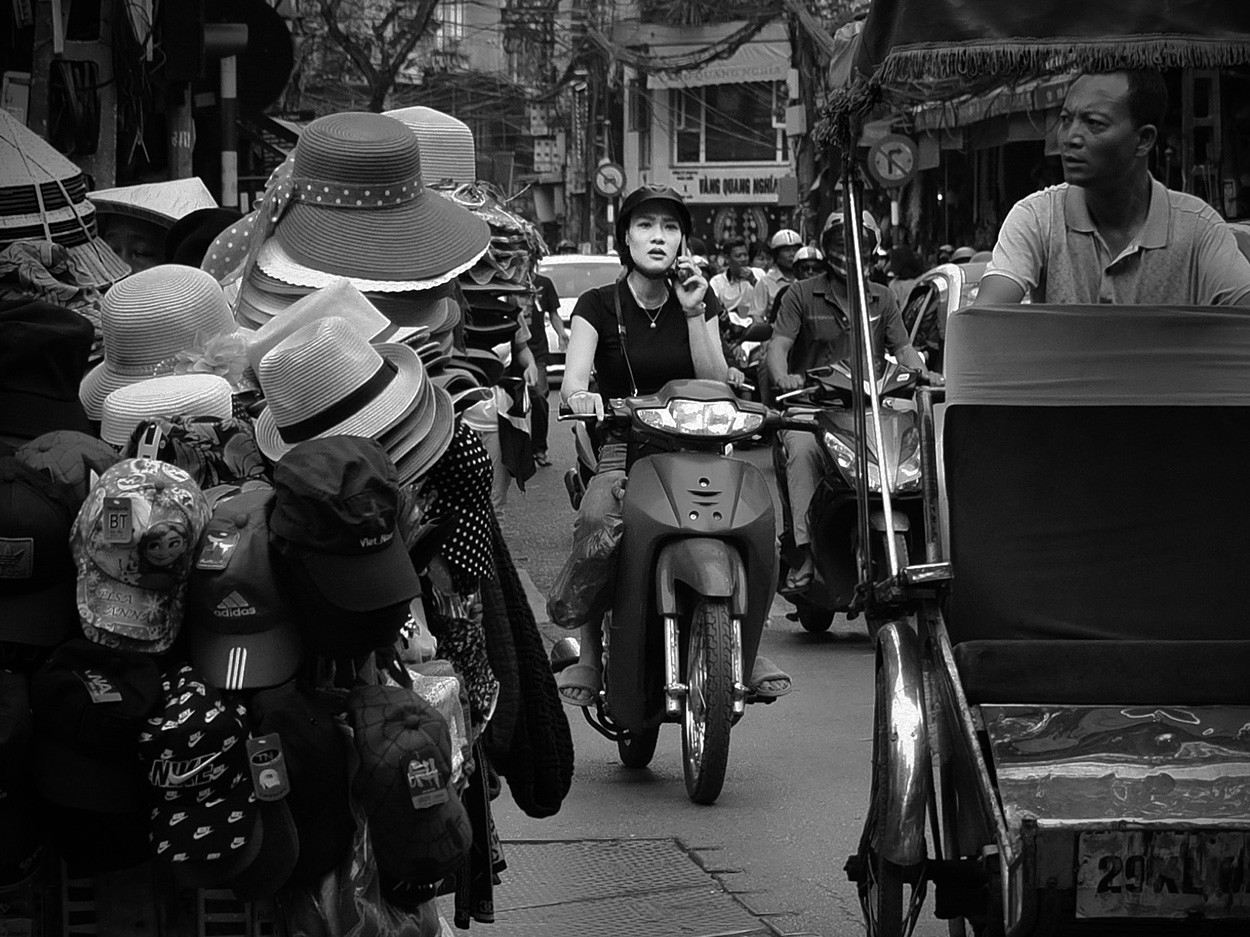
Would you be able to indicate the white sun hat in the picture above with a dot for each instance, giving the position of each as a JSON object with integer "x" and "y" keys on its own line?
{"x": 190, "y": 395}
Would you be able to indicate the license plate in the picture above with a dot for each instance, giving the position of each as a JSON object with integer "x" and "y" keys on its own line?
{"x": 1162, "y": 874}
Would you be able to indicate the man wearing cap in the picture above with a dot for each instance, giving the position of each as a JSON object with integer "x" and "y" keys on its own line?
{"x": 1111, "y": 233}
{"x": 813, "y": 329}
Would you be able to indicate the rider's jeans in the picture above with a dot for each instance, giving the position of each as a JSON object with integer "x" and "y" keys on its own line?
{"x": 803, "y": 468}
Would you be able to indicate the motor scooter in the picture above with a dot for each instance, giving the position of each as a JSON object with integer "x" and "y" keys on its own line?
{"x": 824, "y": 404}
{"x": 695, "y": 576}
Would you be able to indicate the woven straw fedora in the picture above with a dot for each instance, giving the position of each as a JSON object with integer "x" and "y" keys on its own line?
{"x": 428, "y": 443}
{"x": 43, "y": 197}
{"x": 359, "y": 208}
{"x": 174, "y": 395}
{"x": 340, "y": 299}
{"x": 447, "y": 151}
{"x": 149, "y": 317}
{"x": 327, "y": 380}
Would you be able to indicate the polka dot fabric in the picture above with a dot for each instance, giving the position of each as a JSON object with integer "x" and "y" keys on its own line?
{"x": 229, "y": 248}
{"x": 462, "y": 479}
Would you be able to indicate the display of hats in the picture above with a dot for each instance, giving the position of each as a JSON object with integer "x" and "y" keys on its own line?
{"x": 36, "y": 568}
{"x": 356, "y": 189}
{"x": 70, "y": 458}
{"x": 193, "y": 395}
{"x": 22, "y": 842}
{"x": 148, "y": 318}
{"x": 431, "y": 432}
{"x": 337, "y": 505}
{"x": 316, "y": 753}
{"x": 43, "y": 356}
{"x": 327, "y": 380}
{"x": 159, "y": 203}
{"x": 193, "y": 752}
{"x": 188, "y": 240}
{"x": 448, "y": 154}
{"x": 239, "y": 628}
{"x": 462, "y": 387}
{"x": 89, "y": 703}
{"x": 133, "y": 542}
{"x": 43, "y": 197}
{"x": 419, "y": 828}
{"x": 340, "y": 300}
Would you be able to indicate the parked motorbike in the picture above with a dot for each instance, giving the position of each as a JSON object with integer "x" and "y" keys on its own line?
{"x": 695, "y": 575}
{"x": 825, "y": 405}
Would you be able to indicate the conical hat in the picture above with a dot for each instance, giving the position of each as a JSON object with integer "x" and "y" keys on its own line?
{"x": 161, "y": 203}
{"x": 43, "y": 197}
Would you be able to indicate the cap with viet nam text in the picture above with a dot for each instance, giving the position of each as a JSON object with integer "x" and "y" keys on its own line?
{"x": 337, "y": 508}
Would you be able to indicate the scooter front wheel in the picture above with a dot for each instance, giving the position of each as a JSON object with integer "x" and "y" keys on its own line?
{"x": 709, "y": 699}
{"x": 637, "y": 749}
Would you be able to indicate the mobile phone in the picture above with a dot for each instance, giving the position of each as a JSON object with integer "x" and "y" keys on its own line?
{"x": 681, "y": 272}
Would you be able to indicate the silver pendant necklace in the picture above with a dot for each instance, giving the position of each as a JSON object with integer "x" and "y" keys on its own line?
{"x": 652, "y": 314}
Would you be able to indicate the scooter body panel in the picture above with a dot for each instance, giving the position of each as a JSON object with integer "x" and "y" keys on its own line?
{"x": 676, "y": 505}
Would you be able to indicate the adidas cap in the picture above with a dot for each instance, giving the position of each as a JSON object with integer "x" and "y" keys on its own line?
{"x": 240, "y": 635}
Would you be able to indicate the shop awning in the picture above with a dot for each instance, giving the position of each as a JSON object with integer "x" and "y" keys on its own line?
{"x": 753, "y": 61}
{"x": 1027, "y": 96}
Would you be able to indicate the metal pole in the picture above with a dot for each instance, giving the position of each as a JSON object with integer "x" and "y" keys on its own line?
{"x": 860, "y": 295}
{"x": 230, "y": 134}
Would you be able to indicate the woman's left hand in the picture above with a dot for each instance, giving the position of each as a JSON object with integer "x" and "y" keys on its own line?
{"x": 690, "y": 286}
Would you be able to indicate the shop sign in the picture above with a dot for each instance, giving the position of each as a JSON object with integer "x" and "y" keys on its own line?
{"x": 731, "y": 185}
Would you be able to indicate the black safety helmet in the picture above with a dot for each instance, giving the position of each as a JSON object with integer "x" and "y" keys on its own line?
{"x": 648, "y": 193}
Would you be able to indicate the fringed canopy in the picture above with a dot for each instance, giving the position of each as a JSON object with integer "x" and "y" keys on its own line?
{"x": 914, "y": 51}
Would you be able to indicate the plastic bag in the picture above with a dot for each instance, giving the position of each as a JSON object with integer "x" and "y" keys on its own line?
{"x": 583, "y": 589}
{"x": 348, "y": 902}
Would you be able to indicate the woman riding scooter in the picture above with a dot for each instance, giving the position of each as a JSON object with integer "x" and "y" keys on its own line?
{"x": 672, "y": 334}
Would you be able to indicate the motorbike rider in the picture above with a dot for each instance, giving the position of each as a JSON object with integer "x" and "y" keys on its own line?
{"x": 670, "y": 333}
{"x": 784, "y": 246}
{"x": 735, "y": 287}
{"x": 813, "y": 329}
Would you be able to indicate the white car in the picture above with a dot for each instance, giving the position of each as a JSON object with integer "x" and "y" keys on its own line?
{"x": 573, "y": 274}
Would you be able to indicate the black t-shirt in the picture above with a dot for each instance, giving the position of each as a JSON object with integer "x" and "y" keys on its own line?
{"x": 546, "y": 300}
{"x": 657, "y": 355}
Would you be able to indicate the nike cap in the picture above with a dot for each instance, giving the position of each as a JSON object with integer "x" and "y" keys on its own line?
{"x": 203, "y": 806}
{"x": 239, "y": 628}
{"x": 36, "y": 568}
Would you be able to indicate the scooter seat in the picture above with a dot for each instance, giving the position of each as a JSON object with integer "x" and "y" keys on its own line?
{"x": 1102, "y": 672}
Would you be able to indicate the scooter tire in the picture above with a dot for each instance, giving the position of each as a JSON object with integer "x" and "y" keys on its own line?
{"x": 815, "y": 620}
{"x": 709, "y": 712}
{"x": 637, "y": 749}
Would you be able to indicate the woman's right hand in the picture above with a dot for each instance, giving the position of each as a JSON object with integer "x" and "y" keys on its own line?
{"x": 586, "y": 403}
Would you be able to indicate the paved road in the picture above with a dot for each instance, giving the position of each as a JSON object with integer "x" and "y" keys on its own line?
{"x": 797, "y": 784}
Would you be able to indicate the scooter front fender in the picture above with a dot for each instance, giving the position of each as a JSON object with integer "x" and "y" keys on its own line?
{"x": 708, "y": 566}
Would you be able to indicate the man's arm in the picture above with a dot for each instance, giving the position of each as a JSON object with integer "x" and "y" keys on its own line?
{"x": 1019, "y": 255}
{"x": 1223, "y": 270}
{"x": 786, "y": 330}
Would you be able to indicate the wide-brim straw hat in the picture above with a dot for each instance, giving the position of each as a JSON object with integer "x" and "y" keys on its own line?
{"x": 148, "y": 318}
{"x": 340, "y": 299}
{"x": 43, "y": 197}
{"x": 358, "y": 207}
{"x": 327, "y": 380}
{"x": 448, "y": 155}
{"x": 434, "y": 425}
{"x": 160, "y": 203}
{"x": 192, "y": 395}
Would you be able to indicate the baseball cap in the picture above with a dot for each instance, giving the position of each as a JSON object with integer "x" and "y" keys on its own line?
{"x": 194, "y": 754}
{"x": 134, "y": 542}
{"x": 43, "y": 356}
{"x": 71, "y": 458}
{"x": 21, "y": 843}
{"x": 90, "y": 703}
{"x": 337, "y": 505}
{"x": 240, "y": 633}
{"x": 316, "y": 749}
{"x": 419, "y": 828}
{"x": 36, "y": 568}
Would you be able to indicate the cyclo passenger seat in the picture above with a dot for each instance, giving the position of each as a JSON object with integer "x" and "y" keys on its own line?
{"x": 1099, "y": 516}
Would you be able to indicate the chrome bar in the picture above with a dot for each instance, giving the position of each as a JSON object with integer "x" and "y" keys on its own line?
{"x": 929, "y": 474}
{"x": 739, "y": 684}
{"x": 674, "y": 689}
{"x": 921, "y": 573}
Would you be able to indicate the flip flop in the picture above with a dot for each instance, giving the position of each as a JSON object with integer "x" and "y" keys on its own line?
{"x": 799, "y": 579}
{"x": 766, "y": 671}
{"x": 579, "y": 677}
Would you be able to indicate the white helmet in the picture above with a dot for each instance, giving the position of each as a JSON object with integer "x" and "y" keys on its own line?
{"x": 785, "y": 238}
{"x": 808, "y": 253}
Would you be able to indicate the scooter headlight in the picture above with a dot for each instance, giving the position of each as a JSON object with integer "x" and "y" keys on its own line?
{"x": 907, "y": 478}
{"x": 844, "y": 455}
{"x": 701, "y": 418}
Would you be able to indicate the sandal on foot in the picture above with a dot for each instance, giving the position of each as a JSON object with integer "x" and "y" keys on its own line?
{"x": 799, "y": 578}
{"x": 579, "y": 684}
{"x": 766, "y": 672}
{"x": 541, "y": 458}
